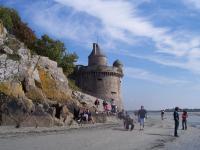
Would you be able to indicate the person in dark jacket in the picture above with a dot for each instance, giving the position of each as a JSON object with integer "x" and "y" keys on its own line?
{"x": 97, "y": 103}
{"x": 142, "y": 114}
{"x": 176, "y": 121}
{"x": 162, "y": 114}
{"x": 128, "y": 121}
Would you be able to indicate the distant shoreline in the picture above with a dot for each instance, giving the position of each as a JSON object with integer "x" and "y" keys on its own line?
{"x": 166, "y": 110}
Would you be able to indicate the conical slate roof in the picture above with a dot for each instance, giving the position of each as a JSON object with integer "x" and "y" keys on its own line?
{"x": 96, "y": 51}
{"x": 117, "y": 63}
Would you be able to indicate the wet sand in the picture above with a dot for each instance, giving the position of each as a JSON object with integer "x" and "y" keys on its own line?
{"x": 158, "y": 134}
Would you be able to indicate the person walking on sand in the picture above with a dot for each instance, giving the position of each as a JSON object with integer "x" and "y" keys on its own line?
{"x": 176, "y": 121}
{"x": 162, "y": 114}
{"x": 184, "y": 120}
{"x": 142, "y": 114}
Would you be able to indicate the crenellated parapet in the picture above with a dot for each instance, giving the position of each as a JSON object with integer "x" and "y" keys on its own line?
{"x": 100, "y": 70}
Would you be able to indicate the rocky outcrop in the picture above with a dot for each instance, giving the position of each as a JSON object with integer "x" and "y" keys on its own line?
{"x": 3, "y": 32}
{"x": 13, "y": 89}
{"x": 27, "y": 80}
{"x": 1, "y": 28}
{"x": 32, "y": 76}
{"x": 31, "y": 84}
{"x": 87, "y": 100}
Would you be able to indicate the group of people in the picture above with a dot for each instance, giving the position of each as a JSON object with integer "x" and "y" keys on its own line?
{"x": 109, "y": 107}
{"x": 142, "y": 115}
{"x": 83, "y": 115}
{"x": 176, "y": 120}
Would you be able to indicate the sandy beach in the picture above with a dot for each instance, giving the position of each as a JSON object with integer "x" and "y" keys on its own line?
{"x": 158, "y": 134}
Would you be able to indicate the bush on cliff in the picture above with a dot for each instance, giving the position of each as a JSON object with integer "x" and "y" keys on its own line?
{"x": 45, "y": 46}
{"x": 67, "y": 63}
{"x": 6, "y": 17}
{"x": 12, "y": 21}
{"x": 55, "y": 50}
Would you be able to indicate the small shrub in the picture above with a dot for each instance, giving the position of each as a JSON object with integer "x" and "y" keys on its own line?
{"x": 72, "y": 85}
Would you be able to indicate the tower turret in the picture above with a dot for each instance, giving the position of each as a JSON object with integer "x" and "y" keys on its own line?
{"x": 96, "y": 57}
{"x": 117, "y": 63}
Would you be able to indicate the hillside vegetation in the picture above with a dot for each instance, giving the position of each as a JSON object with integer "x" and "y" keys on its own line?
{"x": 44, "y": 46}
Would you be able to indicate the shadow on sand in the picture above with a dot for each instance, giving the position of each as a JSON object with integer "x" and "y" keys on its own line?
{"x": 160, "y": 134}
{"x": 167, "y": 128}
{"x": 119, "y": 129}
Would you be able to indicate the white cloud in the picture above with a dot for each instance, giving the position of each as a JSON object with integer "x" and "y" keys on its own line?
{"x": 192, "y": 3}
{"x": 117, "y": 16}
{"x": 116, "y": 21}
{"x": 120, "y": 21}
{"x": 51, "y": 19}
{"x": 142, "y": 74}
{"x": 191, "y": 64}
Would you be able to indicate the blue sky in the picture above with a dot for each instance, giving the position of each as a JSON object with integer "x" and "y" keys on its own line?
{"x": 158, "y": 42}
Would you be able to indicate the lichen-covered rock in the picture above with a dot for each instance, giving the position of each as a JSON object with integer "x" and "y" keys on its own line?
{"x": 35, "y": 94}
{"x": 3, "y": 32}
{"x": 40, "y": 77}
{"x": 13, "y": 89}
{"x": 1, "y": 28}
{"x": 28, "y": 103}
{"x": 51, "y": 87}
{"x": 53, "y": 81}
{"x": 29, "y": 79}
{"x": 6, "y": 49}
{"x": 9, "y": 67}
{"x": 14, "y": 110}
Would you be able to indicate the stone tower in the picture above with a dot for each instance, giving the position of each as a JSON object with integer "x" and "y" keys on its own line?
{"x": 100, "y": 80}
